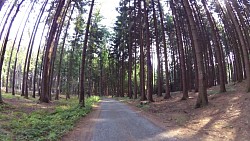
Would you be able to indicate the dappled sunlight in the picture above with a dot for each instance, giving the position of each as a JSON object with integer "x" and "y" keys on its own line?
{"x": 205, "y": 129}
{"x": 64, "y": 107}
{"x": 188, "y": 131}
{"x": 225, "y": 118}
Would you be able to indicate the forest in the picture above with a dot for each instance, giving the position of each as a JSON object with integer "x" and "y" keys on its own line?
{"x": 58, "y": 53}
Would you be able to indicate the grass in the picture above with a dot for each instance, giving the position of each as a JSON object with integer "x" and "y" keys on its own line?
{"x": 10, "y": 96}
{"x": 42, "y": 124}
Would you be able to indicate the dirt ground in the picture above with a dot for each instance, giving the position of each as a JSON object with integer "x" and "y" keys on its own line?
{"x": 226, "y": 118}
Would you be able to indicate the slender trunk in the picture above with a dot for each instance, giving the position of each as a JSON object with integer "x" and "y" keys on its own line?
{"x": 3, "y": 49}
{"x": 26, "y": 59}
{"x": 15, "y": 63}
{"x": 44, "y": 97}
{"x": 217, "y": 48}
{"x": 7, "y": 18}
{"x": 130, "y": 91}
{"x": 142, "y": 66}
{"x": 61, "y": 57}
{"x": 55, "y": 44}
{"x": 2, "y": 3}
{"x": 71, "y": 63}
{"x": 10, "y": 58}
{"x": 149, "y": 64}
{"x": 36, "y": 63}
{"x": 181, "y": 53}
{"x": 82, "y": 85}
{"x": 202, "y": 99}
{"x": 30, "y": 48}
{"x": 159, "y": 82}
{"x": 167, "y": 91}
{"x": 243, "y": 44}
{"x": 135, "y": 51}
{"x": 6, "y": 11}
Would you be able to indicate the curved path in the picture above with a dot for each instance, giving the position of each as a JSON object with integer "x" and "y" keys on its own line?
{"x": 117, "y": 122}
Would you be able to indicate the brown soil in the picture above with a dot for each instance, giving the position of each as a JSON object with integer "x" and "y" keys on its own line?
{"x": 226, "y": 118}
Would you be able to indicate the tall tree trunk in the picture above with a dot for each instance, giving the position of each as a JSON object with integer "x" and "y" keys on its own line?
{"x": 11, "y": 54}
{"x": 167, "y": 91}
{"x": 181, "y": 52}
{"x": 159, "y": 82}
{"x": 30, "y": 48}
{"x": 16, "y": 56}
{"x": 149, "y": 64}
{"x": 6, "y": 11}
{"x": 1, "y": 4}
{"x": 37, "y": 56}
{"x": 141, "y": 44}
{"x": 135, "y": 51}
{"x": 217, "y": 48}
{"x": 243, "y": 44}
{"x": 202, "y": 99}
{"x": 130, "y": 44}
{"x": 3, "y": 49}
{"x": 12, "y": 49}
{"x": 82, "y": 87}
{"x": 44, "y": 97}
{"x": 7, "y": 18}
{"x": 61, "y": 57}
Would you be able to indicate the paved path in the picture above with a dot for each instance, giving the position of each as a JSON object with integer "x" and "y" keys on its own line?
{"x": 117, "y": 122}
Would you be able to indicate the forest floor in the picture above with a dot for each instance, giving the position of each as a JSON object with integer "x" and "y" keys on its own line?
{"x": 226, "y": 118}
{"x": 28, "y": 119}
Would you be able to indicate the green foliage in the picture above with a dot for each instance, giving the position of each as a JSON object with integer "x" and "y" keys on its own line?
{"x": 4, "y": 106}
{"x": 48, "y": 125}
{"x": 10, "y": 96}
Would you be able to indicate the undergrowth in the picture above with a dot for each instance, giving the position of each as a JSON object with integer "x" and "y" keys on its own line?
{"x": 44, "y": 125}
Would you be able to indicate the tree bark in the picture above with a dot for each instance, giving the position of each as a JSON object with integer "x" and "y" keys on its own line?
{"x": 82, "y": 85}
{"x": 167, "y": 90}
{"x": 44, "y": 97}
{"x": 159, "y": 82}
{"x": 243, "y": 44}
{"x": 30, "y": 48}
{"x": 3, "y": 49}
{"x": 7, "y": 18}
{"x": 142, "y": 64}
{"x": 182, "y": 54}
{"x": 1, "y": 4}
{"x": 202, "y": 99}
{"x": 61, "y": 57}
{"x": 217, "y": 48}
{"x": 149, "y": 64}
